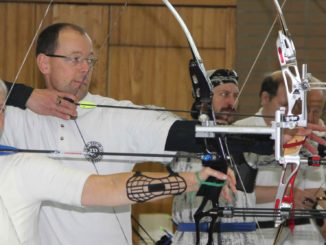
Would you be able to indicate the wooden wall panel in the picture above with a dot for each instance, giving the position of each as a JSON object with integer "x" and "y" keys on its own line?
{"x": 15, "y": 38}
{"x": 132, "y": 2}
{"x": 156, "y": 26}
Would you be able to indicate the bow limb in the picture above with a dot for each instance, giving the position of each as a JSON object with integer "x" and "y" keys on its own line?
{"x": 202, "y": 92}
{"x": 257, "y": 57}
{"x": 25, "y": 58}
{"x": 202, "y": 86}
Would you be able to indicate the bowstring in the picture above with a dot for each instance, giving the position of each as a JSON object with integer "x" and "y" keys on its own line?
{"x": 27, "y": 53}
{"x": 106, "y": 40}
{"x": 248, "y": 202}
{"x": 237, "y": 101}
{"x": 258, "y": 56}
{"x": 16, "y": 78}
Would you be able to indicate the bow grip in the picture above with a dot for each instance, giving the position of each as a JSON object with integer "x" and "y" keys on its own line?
{"x": 213, "y": 192}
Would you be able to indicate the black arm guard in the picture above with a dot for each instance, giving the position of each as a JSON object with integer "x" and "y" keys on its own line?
{"x": 19, "y": 95}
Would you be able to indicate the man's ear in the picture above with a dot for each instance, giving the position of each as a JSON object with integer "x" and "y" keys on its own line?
{"x": 264, "y": 98}
{"x": 43, "y": 63}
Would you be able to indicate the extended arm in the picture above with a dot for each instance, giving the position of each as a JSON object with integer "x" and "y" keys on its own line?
{"x": 110, "y": 190}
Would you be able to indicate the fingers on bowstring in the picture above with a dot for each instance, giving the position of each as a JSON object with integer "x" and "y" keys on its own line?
{"x": 65, "y": 107}
{"x": 69, "y": 97}
{"x": 68, "y": 107}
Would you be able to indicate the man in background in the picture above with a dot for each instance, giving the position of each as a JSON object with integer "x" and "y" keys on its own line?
{"x": 308, "y": 181}
{"x": 225, "y": 93}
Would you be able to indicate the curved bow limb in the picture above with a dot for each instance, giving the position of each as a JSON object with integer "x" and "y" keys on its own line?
{"x": 201, "y": 84}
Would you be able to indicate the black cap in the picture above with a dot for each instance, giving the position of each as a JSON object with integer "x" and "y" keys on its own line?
{"x": 217, "y": 77}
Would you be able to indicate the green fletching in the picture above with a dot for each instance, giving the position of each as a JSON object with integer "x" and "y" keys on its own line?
{"x": 87, "y": 105}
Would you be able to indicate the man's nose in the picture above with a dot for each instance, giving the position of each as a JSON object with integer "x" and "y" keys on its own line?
{"x": 84, "y": 66}
{"x": 230, "y": 101}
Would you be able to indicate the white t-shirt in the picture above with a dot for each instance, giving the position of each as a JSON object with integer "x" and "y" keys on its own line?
{"x": 113, "y": 130}
{"x": 307, "y": 177}
{"x": 25, "y": 181}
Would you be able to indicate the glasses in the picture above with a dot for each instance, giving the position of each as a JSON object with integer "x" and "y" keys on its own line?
{"x": 76, "y": 59}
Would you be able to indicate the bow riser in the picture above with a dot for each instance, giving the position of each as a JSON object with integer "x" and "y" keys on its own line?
{"x": 296, "y": 88}
{"x": 286, "y": 182}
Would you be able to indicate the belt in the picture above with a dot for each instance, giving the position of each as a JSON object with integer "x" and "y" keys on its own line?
{"x": 219, "y": 227}
{"x": 271, "y": 223}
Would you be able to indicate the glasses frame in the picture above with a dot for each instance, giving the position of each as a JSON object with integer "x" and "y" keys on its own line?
{"x": 91, "y": 60}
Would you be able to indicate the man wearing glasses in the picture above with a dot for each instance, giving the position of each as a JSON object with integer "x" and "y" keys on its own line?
{"x": 71, "y": 56}
{"x": 65, "y": 57}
